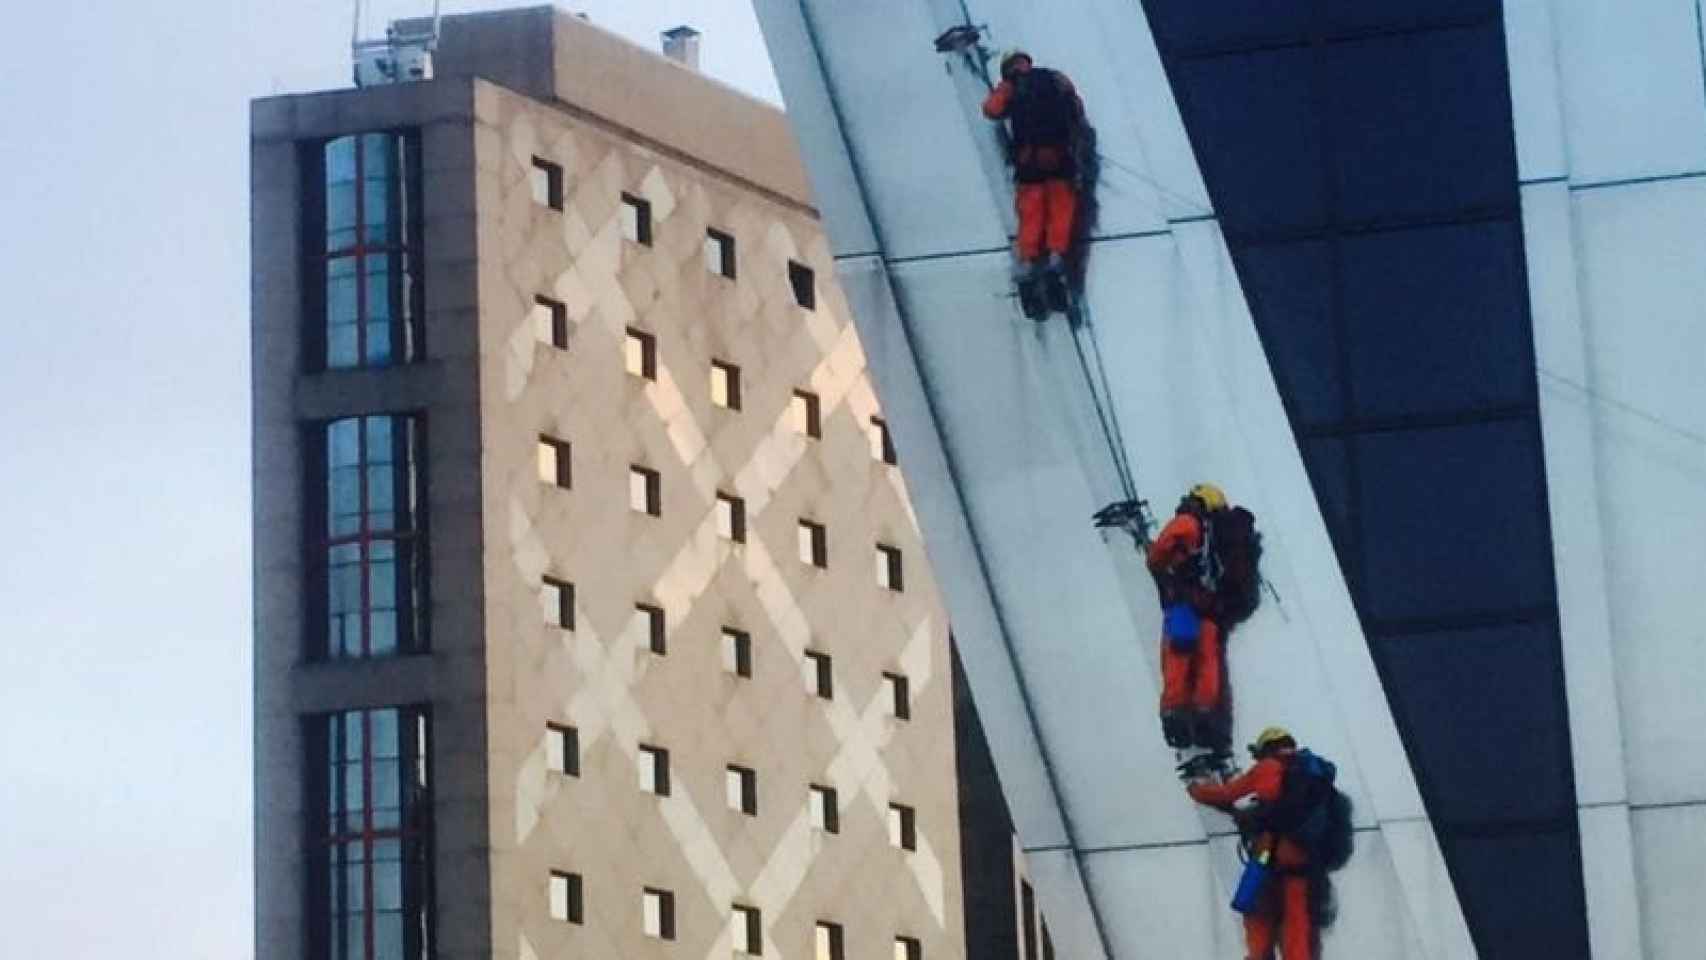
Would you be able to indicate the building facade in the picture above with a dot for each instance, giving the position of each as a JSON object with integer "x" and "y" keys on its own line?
{"x": 1416, "y": 282}
{"x": 592, "y": 617}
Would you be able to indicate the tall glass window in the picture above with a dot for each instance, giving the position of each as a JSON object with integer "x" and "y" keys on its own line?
{"x": 370, "y": 885}
{"x": 363, "y": 239}
{"x": 370, "y": 585}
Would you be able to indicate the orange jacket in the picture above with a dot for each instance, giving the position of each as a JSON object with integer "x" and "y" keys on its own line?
{"x": 1180, "y": 539}
{"x": 1000, "y": 100}
{"x": 1265, "y": 782}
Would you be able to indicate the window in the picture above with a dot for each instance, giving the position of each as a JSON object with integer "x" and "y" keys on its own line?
{"x": 720, "y": 253}
{"x": 649, "y": 619}
{"x": 363, "y": 229}
{"x": 908, "y": 948}
{"x": 550, "y": 322}
{"x": 804, "y": 283}
{"x": 546, "y": 179}
{"x": 740, "y": 788}
{"x": 366, "y": 520}
{"x": 645, "y": 491}
{"x": 814, "y": 544}
{"x": 554, "y": 462}
{"x": 825, "y": 812}
{"x": 737, "y": 652}
{"x": 641, "y": 354}
{"x": 654, "y": 770}
{"x": 557, "y": 603}
{"x": 725, "y": 385}
{"x": 888, "y": 567}
{"x": 636, "y": 220}
{"x": 731, "y": 518}
{"x": 882, "y": 442}
{"x": 562, "y": 749}
{"x": 657, "y": 909}
{"x": 1048, "y": 941}
{"x": 829, "y": 941}
{"x": 903, "y": 827}
{"x": 899, "y": 696}
{"x": 746, "y": 930}
{"x": 820, "y": 676}
{"x": 803, "y": 414}
{"x": 567, "y": 903}
{"x": 1028, "y": 917}
{"x": 371, "y": 814}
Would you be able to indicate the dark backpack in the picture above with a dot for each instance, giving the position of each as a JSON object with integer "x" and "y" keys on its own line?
{"x": 1312, "y": 811}
{"x": 1043, "y": 112}
{"x": 1236, "y": 564}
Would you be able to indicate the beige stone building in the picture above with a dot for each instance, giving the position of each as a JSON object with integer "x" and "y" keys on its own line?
{"x": 591, "y": 616}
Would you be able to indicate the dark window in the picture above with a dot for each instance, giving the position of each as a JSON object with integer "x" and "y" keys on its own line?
{"x": 903, "y": 826}
{"x": 899, "y": 695}
{"x": 641, "y": 354}
{"x": 825, "y": 809}
{"x": 720, "y": 253}
{"x": 829, "y": 941}
{"x": 908, "y": 948}
{"x": 645, "y": 491}
{"x": 650, "y": 619}
{"x": 803, "y": 411}
{"x": 1543, "y": 916}
{"x": 370, "y": 881}
{"x": 1028, "y": 917}
{"x": 546, "y": 179}
{"x": 567, "y": 902}
{"x": 1048, "y": 941}
{"x": 554, "y": 462}
{"x": 800, "y": 277}
{"x": 731, "y": 518}
{"x": 725, "y": 384}
{"x": 882, "y": 442}
{"x": 746, "y": 929}
{"x": 888, "y": 568}
{"x": 737, "y": 652}
{"x": 741, "y": 789}
{"x": 550, "y": 322}
{"x": 363, "y": 231}
{"x": 366, "y": 505}
{"x": 658, "y": 913}
{"x": 636, "y": 220}
{"x": 654, "y": 770}
{"x": 563, "y": 749}
{"x": 814, "y": 544}
{"x": 820, "y": 674}
{"x": 557, "y": 601}
{"x": 1292, "y": 285}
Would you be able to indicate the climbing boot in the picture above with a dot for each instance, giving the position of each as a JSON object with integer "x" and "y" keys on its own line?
{"x": 1032, "y": 299}
{"x": 1176, "y": 729}
{"x": 1055, "y": 287}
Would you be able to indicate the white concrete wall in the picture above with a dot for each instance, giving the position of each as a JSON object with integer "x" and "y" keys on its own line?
{"x": 1002, "y": 451}
{"x": 1610, "y": 104}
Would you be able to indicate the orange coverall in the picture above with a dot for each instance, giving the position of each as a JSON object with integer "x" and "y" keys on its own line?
{"x": 1047, "y": 205}
{"x": 1194, "y": 678}
{"x": 1285, "y": 904}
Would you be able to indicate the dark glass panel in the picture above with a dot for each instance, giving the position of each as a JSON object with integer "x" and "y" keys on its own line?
{"x": 1479, "y": 712}
{"x": 1522, "y": 893}
{"x": 1290, "y": 288}
{"x": 1192, "y": 24}
{"x": 1453, "y": 521}
{"x": 1437, "y": 320}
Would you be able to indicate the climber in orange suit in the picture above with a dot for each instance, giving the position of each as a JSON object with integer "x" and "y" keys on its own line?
{"x": 1192, "y": 671}
{"x": 1046, "y": 115}
{"x": 1285, "y": 902}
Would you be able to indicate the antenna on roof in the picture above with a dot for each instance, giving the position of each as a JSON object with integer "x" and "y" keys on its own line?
{"x": 402, "y": 56}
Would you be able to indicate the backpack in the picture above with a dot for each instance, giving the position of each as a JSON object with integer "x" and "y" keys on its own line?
{"x": 1312, "y": 811}
{"x": 1233, "y": 561}
{"x": 1043, "y": 113}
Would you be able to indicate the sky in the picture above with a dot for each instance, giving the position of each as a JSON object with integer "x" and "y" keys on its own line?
{"x": 125, "y": 687}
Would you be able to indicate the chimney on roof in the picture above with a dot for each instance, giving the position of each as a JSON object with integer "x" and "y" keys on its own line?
{"x": 682, "y": 45}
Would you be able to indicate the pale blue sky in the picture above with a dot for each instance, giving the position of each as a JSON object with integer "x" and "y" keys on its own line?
{"x": 124, "y": 448}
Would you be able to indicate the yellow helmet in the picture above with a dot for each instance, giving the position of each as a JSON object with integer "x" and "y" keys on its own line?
{"x": 1270, "y": 737}
{"x": 1211, "y": 496}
